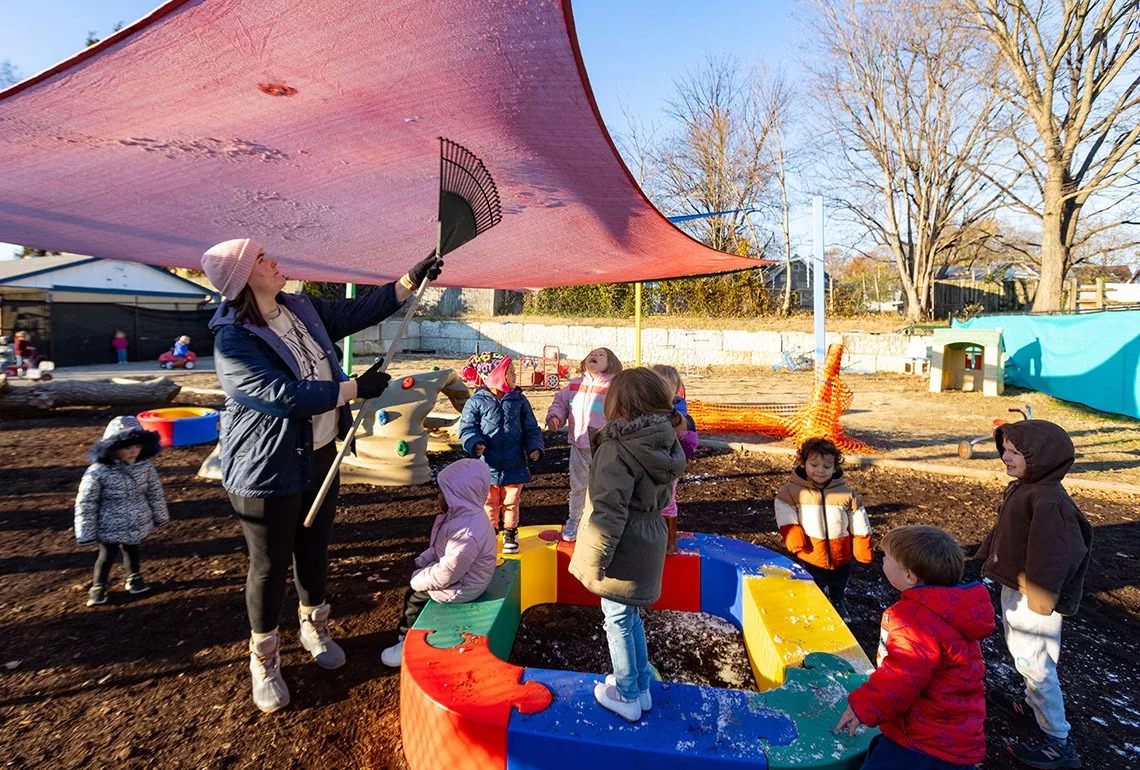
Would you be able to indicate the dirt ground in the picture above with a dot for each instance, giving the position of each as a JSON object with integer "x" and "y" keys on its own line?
{"x": 161, "y": 680}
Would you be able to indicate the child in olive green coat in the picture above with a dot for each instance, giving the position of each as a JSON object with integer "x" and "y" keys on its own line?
{"x": 620, "y": 551}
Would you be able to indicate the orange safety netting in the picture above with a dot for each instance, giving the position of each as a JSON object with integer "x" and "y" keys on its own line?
{"x": 830, "y": 399}
{"x": 742, "y": 418}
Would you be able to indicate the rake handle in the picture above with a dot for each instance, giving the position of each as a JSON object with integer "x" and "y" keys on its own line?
{"x": 323, "y": 492}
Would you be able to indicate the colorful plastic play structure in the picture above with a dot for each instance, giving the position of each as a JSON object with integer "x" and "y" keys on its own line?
{"x": 182, "y": 425}
{"x": 830, "y": 399}
{"x": 462, "y": 705}
{"x": 394, "y": 439}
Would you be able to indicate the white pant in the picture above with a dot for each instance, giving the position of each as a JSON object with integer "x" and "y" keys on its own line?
{"x": 580, "y": 461}
{"x": 1034, "y": 642}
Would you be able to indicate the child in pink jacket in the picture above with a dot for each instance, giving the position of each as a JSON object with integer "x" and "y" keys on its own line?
{"x": 459, "y": 563}
{"x": 581, "y": 406}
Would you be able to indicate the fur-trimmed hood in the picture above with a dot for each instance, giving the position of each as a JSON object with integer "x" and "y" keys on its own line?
{"x": 122, "y": 432}
{"x": 649, "y": 439}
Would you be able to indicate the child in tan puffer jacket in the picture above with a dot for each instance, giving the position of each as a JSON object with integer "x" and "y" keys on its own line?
{"x": 822, "y": 521}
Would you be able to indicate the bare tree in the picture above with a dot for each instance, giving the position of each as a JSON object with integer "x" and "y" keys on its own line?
{"x": 775, "y": 100}
{"x": 639, "y": 145}
{"x": 716, "y": 159}
{"x": 913, "y": 127}
{"x": 1069, "y": 75}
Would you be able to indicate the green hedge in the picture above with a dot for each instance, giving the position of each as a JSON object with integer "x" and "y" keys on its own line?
{"x": 735, "y": 294}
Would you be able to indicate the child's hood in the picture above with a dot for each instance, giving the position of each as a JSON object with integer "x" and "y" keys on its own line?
{"x": 799, "y": 478}
{"x": 465, "y": 484}
{"x": 122, "y": 432}
{"x": 1047, "y": 448}
{"x": 483, "y": 392}
{"x": 651, "y": 439}
{"x": 966, "y": 607}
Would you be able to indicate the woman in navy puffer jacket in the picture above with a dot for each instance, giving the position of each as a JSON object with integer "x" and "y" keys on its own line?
{"x": 286, "y": 403}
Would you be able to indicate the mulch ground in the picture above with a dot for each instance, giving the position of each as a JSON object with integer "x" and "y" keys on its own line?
{"x": 160, "y": 680}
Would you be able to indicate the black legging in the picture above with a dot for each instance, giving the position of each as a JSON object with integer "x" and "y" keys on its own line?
{"x": 833, "y": 582}
{"x": 275, "y": 535}
{"x": 414, "y": 603}
{"x": 106, "y": 558}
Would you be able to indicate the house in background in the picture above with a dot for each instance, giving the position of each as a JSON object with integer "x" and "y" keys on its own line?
{"x": 776, "y": 277}
{"x": 71, "y": 305}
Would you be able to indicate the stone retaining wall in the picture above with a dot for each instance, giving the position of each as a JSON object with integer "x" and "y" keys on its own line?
{"x": 689, "y": 347}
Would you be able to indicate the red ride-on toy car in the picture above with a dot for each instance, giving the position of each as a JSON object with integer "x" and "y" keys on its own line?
{"x": 169, "y": 361}
{"x": 34, "y": 367}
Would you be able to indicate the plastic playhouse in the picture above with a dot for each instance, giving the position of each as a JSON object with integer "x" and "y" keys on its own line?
{"x": 969, "y": 360}
{"x": 462, "y": 705}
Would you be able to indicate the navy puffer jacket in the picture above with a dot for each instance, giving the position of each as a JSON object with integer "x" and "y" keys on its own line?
{"x": 507, "y": 428}
{"x": 266, "y": 432}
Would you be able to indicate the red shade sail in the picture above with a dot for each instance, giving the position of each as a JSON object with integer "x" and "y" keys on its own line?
{"x": 312, "y": 127}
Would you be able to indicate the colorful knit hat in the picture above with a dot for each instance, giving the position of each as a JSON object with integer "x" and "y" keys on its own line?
{"x": 488, "y": 369}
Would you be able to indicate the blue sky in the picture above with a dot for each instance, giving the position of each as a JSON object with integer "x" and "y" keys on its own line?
{"x": 634, "y": 49}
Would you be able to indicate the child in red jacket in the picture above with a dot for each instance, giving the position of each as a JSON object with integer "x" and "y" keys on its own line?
{"x": 927, "y": 696}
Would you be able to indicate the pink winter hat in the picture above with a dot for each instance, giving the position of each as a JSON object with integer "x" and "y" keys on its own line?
{"x": 229, "y": 264}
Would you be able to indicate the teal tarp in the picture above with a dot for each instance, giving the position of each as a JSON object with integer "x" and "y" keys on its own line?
{"x": 1091, "y": 358}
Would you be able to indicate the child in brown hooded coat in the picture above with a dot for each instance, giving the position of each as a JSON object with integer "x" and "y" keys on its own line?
{"x": 1039, "y": 552}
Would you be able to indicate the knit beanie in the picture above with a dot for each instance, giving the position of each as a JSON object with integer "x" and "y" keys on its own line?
{"x": 488, "y": 369}
{"x": 229, "y": 264}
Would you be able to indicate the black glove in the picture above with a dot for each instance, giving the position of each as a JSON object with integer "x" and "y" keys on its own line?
{"x": 430, "y": 267}
{"x": 372, "y": 383}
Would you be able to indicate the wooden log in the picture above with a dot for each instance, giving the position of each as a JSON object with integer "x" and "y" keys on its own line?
{"x": 57, "y": 393}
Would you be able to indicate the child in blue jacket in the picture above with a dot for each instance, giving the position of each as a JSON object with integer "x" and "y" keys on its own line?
{"x": 499, "y": 426}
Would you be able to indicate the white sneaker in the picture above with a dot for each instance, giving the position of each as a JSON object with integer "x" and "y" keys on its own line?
{"x": 314, "y": 635}
{"x": 270, "y": 693}
{"x": 393, "y": 657}
{"x": 570, "y": 530}
{"x": 609, "y": 698}
{"x": 644, "y": 699}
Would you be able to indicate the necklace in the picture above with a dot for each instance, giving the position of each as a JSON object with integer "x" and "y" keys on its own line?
{"x": 274, "y": 314}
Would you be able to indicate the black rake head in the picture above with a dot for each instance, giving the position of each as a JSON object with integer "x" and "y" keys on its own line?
{"x": 468, "y": 199}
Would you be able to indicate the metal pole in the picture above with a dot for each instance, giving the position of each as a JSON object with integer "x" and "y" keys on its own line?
{"x": 817, "y": 282}
{"x": 637, "y": 324}
{"x": 349, "y": 293}
{"x": 409, "y": 310}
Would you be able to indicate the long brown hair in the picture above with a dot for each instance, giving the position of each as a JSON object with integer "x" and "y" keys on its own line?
{"x": 638, "y": 391}
{"x": 670, "y": 375}
{"x": 245, "y": 308}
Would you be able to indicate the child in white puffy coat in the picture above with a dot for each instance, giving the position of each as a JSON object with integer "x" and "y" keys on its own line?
{"x": 120, "y": 502}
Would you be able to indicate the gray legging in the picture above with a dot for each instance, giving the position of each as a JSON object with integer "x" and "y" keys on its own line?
{"x": 276, "y": 536}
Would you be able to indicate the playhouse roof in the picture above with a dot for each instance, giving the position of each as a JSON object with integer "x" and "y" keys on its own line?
{"x": 313, "y": 128}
